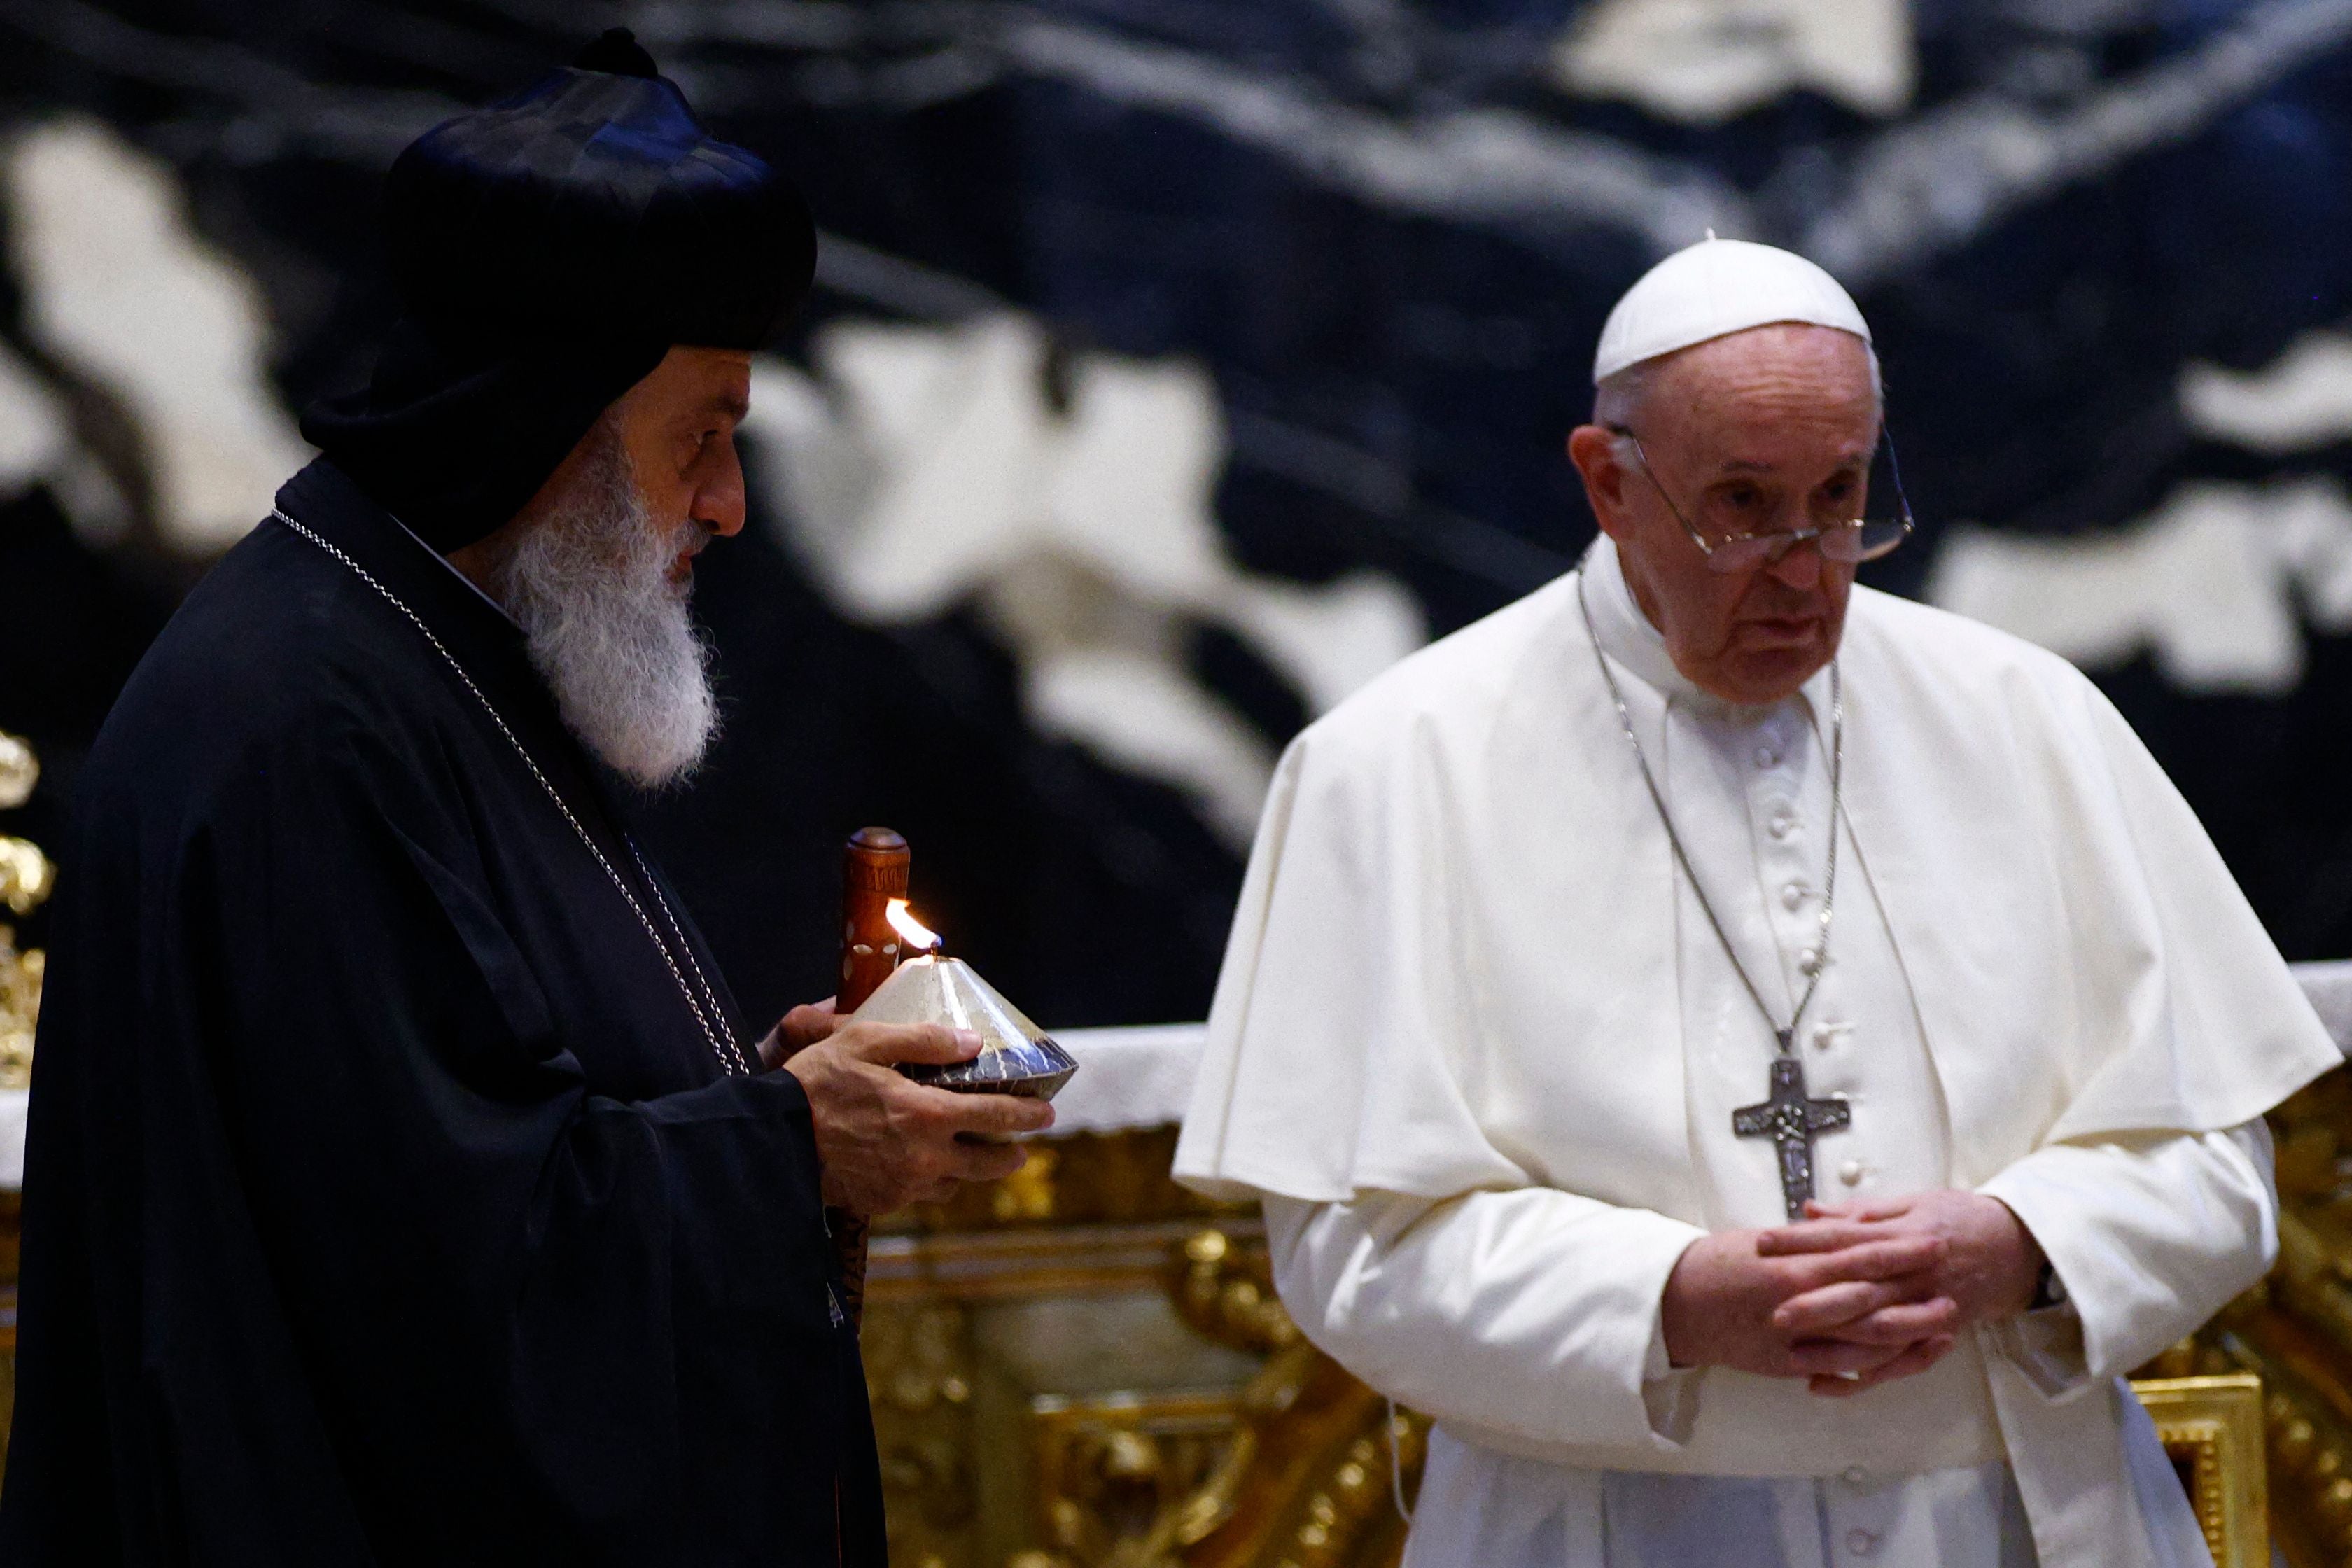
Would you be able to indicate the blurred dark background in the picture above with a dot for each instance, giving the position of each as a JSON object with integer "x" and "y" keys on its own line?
{"x": 1331, "y": 271}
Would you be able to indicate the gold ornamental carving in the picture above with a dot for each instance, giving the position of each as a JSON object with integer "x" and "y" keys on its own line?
{"x": 19, "y": 771}
{"x": 2294, "y": 1331}
{"x": 1118, "y": 1475}
{"x": 26, "y": 877}
{"x": 1321, "y": 1463}
{"x": 2212, "y": 1429}
{"x": 919, "y": 1377}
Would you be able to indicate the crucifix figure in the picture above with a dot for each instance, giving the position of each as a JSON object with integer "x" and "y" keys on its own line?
{"x": 1793, "y": 1121}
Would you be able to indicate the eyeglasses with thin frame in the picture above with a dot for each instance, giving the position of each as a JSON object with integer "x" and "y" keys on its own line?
{"x": 1851, "y": 541}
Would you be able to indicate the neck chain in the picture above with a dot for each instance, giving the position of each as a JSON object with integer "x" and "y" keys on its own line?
{"x": 712, "y": 1017}
{"x": 1786, "y": 1037}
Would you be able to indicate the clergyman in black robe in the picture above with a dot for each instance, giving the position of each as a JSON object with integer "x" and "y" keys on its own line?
{"x": 402, "y": 1187}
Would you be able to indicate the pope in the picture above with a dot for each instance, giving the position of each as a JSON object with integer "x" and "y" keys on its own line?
{"x": 402, "y": 1186}
{"x": 1755, "y": 1059}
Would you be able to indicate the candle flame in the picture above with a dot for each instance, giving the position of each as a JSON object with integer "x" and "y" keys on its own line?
{"x": 918, "y": 935}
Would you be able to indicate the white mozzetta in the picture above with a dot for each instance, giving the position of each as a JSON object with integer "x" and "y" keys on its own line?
{"x": 1142, "y": 1076}
{"x": 2329, "y": 986}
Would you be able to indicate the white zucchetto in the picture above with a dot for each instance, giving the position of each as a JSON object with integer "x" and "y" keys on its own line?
{"x": 1713, "y": 288}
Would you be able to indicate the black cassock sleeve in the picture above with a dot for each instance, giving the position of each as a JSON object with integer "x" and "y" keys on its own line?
{"x": 531, "y": 1323}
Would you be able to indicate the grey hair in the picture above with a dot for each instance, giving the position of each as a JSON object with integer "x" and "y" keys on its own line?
{"x": 1619, "y": 399}
{"x": 604, "y": 626}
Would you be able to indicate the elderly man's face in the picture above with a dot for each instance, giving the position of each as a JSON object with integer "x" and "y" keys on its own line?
{"x": 597, "y": 569}
{"x": 675, "y": 430}
{"x": 679, "y": 425}
{"x": 1774, "y": 426}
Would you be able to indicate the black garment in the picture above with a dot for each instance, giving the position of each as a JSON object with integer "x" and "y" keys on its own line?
{"x": 455, "y": 432}
{"x": 548, "y": 249}
{"x": 596, "y": 201}
{"x": 385, "y": 1202}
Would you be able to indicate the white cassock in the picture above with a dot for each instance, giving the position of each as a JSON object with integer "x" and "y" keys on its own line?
{"x": 1478, "y": 1048}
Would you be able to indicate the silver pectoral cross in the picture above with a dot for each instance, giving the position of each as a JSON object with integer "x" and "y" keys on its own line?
{"x": 1793, "y": 1121}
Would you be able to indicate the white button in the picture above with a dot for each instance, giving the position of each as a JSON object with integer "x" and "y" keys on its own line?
{"x": 1860, "y": 1543}
{"x": 1854, "y": 1476}
{"x": 1809, "y": 960}
{"x": 1793, "y": 895}
{"x": 1827, "y": 1036}
{"x": 1766, "y": 757}
{"x": 1850, "y": 1172}
{"x": 1783, "y": 824}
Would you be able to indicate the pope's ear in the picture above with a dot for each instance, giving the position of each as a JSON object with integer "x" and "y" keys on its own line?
{"x": 1593, "y": 450}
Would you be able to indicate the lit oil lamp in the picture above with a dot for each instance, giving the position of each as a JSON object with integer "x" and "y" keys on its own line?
{"x": 1015, "y": 1057}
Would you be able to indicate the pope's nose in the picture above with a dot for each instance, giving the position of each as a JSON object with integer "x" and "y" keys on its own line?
{"x": 1800, "y": 569}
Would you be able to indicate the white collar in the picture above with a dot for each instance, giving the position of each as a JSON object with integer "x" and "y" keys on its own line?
{"x": 1629, "y": 638}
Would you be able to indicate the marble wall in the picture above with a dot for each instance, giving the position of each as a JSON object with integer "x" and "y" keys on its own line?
{"x": 1177, "y": 365}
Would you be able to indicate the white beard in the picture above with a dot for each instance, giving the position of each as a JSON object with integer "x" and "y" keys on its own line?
{"x": 607, "y": 629}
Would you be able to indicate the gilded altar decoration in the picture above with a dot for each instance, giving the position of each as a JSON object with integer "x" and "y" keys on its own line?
{"x": 920, "y": 1376}
{"x": 19, "y": 771}
{"x": 2212, "y": 1429}
{"x": 1041, "y": 1397}
{"x": 1118, "y": 1476}
{"x": 2294, "y": 1331}
{"x": 25, "y": 877}
{"x": 1321, "y": 1463}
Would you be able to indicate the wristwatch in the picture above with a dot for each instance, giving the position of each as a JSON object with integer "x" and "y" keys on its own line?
{"x": 2049, "y": 1290}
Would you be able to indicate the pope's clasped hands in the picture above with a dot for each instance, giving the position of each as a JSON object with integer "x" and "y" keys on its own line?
{"x": 1852, "y": 1296}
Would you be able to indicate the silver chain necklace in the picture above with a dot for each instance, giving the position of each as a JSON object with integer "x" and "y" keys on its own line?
{"x": 1787, "y": 1116}
{"x": 716, "y": 1030}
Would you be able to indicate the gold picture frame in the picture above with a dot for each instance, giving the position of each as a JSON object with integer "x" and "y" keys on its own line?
{"x": 2212, "y": 1429}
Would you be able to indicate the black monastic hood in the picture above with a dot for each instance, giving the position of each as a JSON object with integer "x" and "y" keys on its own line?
{"x": 548, "y": 251}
